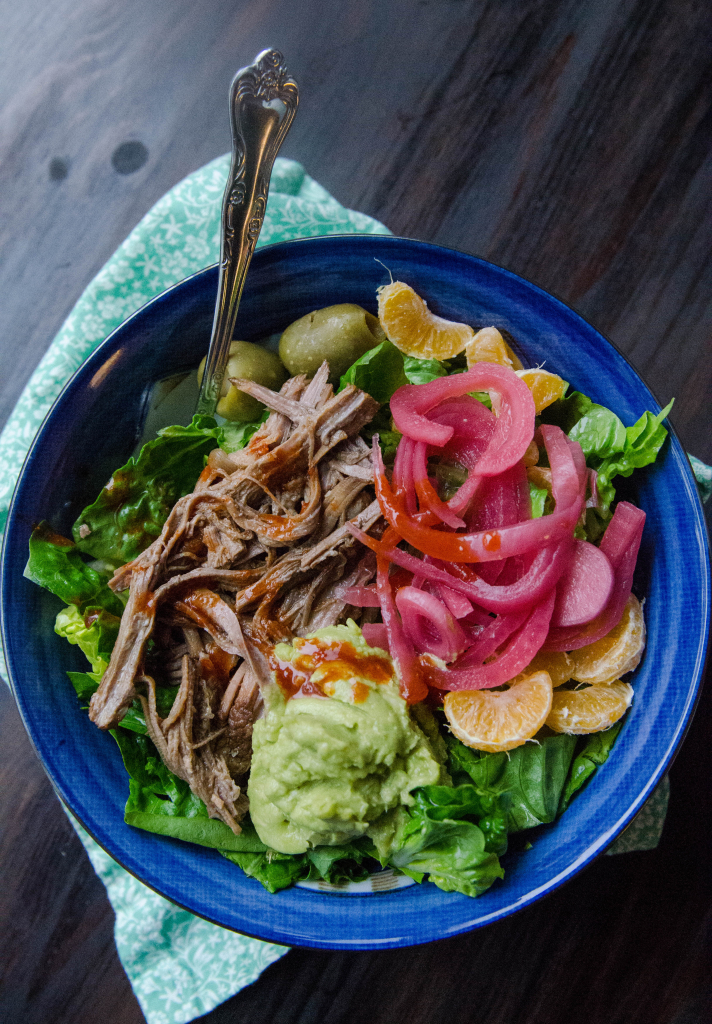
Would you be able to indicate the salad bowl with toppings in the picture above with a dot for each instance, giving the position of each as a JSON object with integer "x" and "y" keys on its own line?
{"x": 412, "y": 640}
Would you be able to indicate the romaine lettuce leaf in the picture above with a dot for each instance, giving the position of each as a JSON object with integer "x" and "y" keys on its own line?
{"x": 438, "y": 840}
{"x": 94, "y": 631}
{"x": 231, "y": 437}
{"x": 537, "y": 497}
{"x": 643, "y": 441}
{"x": 421, "y": 371}
{"x": 56, "y": 565}
{"x": 383, "y": 369}
{"x": 599, "y": 432}
{"x": 334, "y": 864}
{"x": 130, "y": 511}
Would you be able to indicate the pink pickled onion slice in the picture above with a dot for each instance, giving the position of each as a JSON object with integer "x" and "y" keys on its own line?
{"x": 483, "y": 546}
{"x": 360, "y": 597}
{"x": 403, "y": 483}
{"x": 492, "y": 637}
{"x": 375, "y": 634}
{"x": 541, "y": 578}
{"x": 514, "y": 427}
{"x": 427, "y": 494}
{"x": 429, "y": 625}
{"x": 585, "y": 586}
{"x": 457, "y": 604}
{"x": 515, "y": 657}
{"x": 412, "y": 687}
{"x": 620, "y": 544}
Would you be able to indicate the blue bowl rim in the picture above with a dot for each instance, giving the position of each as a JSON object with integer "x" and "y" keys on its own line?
{"x": 595, "y": 848}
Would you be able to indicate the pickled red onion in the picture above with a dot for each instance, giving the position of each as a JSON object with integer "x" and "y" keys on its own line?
{"x": 541, "y": 578}
{"x": 429, "y": 625}
{"x": 620, "y": 544}
{"x": 487, "y": 546}
{"x": 515, "y": 657}
{"x": 514, "y": 426}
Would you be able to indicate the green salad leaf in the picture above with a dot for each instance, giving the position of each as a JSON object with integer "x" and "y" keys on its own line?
{"x": 94, "y": 631}
{"x": 599, "y": 432}
{"x": 379, "y": 372}
{"x": 533, "y": 776}
{"x": 422, "y": 371}
{"x": 593, "y": 752}
{"x": 643, "y": 441}
{"x": 160, "y": 802}
{"x": 440, "y": 841}
{"x": 131, "y": 509}
{"x": 231, "y": 437}
{"x": 56, "y": 564}
{"x": 337, "y": 865}
{"x": 537, "y": 497}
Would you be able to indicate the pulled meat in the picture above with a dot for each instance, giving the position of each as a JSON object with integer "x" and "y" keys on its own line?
{"x": 258, "y": 553}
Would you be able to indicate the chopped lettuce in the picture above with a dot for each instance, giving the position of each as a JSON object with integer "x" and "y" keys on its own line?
{"x": 537, "y": 496}
{"x": 334, "y": 864}
{"x": 421, "y": 371}
{"x": 379, "y": 372}
{"x": 439, "y": 839}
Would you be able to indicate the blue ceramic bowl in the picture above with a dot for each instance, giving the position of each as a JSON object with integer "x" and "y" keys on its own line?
{"x": 93, "y": 427}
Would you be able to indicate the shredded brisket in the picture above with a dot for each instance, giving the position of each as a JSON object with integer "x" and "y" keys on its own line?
{"x": 256, "y": 554}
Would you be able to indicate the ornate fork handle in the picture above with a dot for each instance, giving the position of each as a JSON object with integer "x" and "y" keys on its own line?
{"x": 263, "y": 102}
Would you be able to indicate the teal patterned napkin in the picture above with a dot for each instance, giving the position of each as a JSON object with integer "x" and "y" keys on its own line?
{"x": 180, "y": 966}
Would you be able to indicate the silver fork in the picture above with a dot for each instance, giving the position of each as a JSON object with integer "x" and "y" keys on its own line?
{"x": 263, "y": 102}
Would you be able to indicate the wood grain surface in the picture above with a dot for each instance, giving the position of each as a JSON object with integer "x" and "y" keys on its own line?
{"x": 567, "y": 140}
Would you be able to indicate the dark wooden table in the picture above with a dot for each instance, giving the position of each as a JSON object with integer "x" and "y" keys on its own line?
{"x": 568, "y": 140}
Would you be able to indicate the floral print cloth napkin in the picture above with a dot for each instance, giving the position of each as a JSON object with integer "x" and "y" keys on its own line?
{"x": 180, "y": 966}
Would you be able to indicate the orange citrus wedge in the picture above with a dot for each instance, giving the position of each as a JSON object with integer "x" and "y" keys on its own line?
{"x": 616, "y": 653}
{"x": 495, "y": 720}
{"x": 558, "y": 664}
{"x": 545, "y": 387}
{"x": 488, "y": 346}
{"x": 413, "y": 329}
{"x": 593, "y": 709}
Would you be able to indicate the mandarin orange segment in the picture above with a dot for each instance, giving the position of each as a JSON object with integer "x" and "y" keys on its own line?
{"x": 545, "y": 387}
{"x": 616, "y": 653}
{"x": 496, "y": 720}
{"x": 488, "y": 346}
{"x": 413, "y": 329}
{"x": 593, "y": 709}
{"x": 558, "y": 664}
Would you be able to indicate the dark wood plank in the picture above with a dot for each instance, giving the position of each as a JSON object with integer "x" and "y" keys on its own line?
{"x": 566, "y": 140}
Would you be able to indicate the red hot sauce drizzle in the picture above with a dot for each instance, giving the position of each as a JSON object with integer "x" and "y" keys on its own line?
{"x": 343, "y": 661}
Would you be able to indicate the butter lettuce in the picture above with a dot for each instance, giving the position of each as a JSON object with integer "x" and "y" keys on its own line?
{"x": 440, "y": 840}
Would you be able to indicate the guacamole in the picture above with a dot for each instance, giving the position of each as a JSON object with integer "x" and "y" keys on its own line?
{"x": 332, "y": 760}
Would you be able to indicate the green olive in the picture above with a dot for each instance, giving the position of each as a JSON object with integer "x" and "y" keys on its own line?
{"x": 251, "y": 362}
{"x": 340, "y": 334}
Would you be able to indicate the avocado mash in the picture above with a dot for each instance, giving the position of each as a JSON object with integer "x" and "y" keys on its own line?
{"x": 330, "y": 761}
